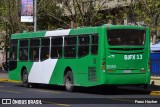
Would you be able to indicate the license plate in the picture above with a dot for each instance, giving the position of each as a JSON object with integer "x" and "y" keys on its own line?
{"x": 127, "y": 71}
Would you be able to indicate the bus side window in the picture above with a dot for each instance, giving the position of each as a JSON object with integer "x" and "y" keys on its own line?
{"x": 56, "y": 47}
{"x": 70, "y": 47}
{"x": 45, "y": 48}
{"x": 13, "y": 55}
{"x": 23, "y": 54}
{"x": 13, "y": 50}
{"x": 94, "y": 44}
{"x": 23, "y": 51}
{"x": 83, "y": 47}
{"x": 34, "y": 49}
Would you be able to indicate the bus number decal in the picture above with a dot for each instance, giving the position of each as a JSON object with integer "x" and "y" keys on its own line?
{"x": 132, "y": 57}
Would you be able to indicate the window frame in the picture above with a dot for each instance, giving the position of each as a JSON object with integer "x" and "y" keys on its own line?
{"x": 23, "y": 47}
{"x": 114, "y": 40}
{"x": 84, "y": 44}
{"x": 69, "y": 45}
{"x": 34, "y": 47}
{"x": 13, "y": 45}
{"x": 61, "y": 45}
{"x": 45, "y": 46}
{"x": 94, "y": 44}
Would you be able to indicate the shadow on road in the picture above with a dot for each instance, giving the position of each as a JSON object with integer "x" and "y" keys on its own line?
{"x": 104, "y": 90}
{"x": 122, "y": 90}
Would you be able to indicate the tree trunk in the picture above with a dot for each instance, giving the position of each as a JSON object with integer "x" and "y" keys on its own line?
{"x": 154, "y": 39}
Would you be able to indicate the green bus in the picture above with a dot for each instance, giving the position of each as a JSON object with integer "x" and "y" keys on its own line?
{"x": 87, "y": 56}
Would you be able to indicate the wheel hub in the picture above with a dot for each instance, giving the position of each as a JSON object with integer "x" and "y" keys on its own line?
{"x": 68, "y": 83}
{"x": 25, "y": 78}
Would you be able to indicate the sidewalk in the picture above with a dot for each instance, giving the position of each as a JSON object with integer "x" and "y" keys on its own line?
{"x": 4, "y": 77}
{"x": 155, "y": 80}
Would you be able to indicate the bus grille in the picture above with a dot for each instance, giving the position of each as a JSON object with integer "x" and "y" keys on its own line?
{"x": 92, "y": 74}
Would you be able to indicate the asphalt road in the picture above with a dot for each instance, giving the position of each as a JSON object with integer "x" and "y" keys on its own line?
{"x": 56, "y": 96}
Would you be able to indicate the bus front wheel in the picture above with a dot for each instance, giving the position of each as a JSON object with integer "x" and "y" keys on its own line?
{"x": 68, "y": 81}
{"x": 25, "y": 78}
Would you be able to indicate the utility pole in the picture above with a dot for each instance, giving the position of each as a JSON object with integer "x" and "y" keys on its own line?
{"x": 35, "y": 15}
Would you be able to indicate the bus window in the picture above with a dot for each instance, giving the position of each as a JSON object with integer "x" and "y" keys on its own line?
{"x": 13, "y": 53}
{"x": 23, "y": 54}
{"x": 23, "y": 51}
{"x": 24, "y": 43}
{"x": 56, "y": 49}
{"x": 94, "y": 44}
{"x": 70, "y": 47}
{"x": 70, "y": 40}
{"x": 45, "y": 48}
{"x": 34, "y": 49}
{"x": 13, "y": 50}
{"x": 128, "y": 37}
{"x": 83, "y": 47}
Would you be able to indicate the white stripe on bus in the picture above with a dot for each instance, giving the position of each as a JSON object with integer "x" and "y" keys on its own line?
{"x": 41, "y": 72}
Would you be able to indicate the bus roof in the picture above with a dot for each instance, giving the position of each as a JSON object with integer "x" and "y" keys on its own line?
{"x": 76, "y": 31}
{"x": 125, "y": 26}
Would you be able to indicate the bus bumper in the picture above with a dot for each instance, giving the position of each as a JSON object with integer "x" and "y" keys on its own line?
{"x": 126, "y": 79}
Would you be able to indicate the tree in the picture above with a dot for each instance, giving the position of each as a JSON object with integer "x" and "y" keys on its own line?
{"x": 84, "y": 12}
{"x": 49, "y": 15}
{"x": 147, "y": 11}
{"x": 10, "y": 18}
{"x": 71, "y": 13}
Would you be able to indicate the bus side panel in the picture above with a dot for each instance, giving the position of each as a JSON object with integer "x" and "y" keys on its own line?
{"x": 79, "y": 68}
{"x": 58, "y": 72}
{"x": 16, "y": 74}
{"x": 86, "y": 69}
{"x": 148, "y": 53}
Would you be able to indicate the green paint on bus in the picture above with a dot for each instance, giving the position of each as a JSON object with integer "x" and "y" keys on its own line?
{"x": 108, "y": 54}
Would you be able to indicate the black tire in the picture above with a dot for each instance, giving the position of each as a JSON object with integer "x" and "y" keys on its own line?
{"x": 25, "y": 79}
{"x": 68, "y": 81}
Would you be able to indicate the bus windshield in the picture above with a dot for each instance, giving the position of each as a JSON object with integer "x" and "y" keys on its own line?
{"x": 127, "y": 37}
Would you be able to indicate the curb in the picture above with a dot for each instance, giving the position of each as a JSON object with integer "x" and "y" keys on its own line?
{"x": 8, "y": 80}
{"x": 155, "y": 78}
{"x": 155, "y": 93}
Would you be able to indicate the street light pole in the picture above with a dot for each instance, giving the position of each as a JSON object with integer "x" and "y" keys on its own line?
{"x": 35, "y": 15}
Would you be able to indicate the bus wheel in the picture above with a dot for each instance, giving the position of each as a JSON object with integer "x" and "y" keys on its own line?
{"x": 68, "y": 81}
{"x": 25, "y": 78}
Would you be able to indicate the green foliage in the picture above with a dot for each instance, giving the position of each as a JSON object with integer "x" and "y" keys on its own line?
{"x": 2, "y": 12}
{"x": 50, "y": 15}
{"x": 10, "y": 18}
{"x": 147, "y": 11}
{"x": 85, "y": 12}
